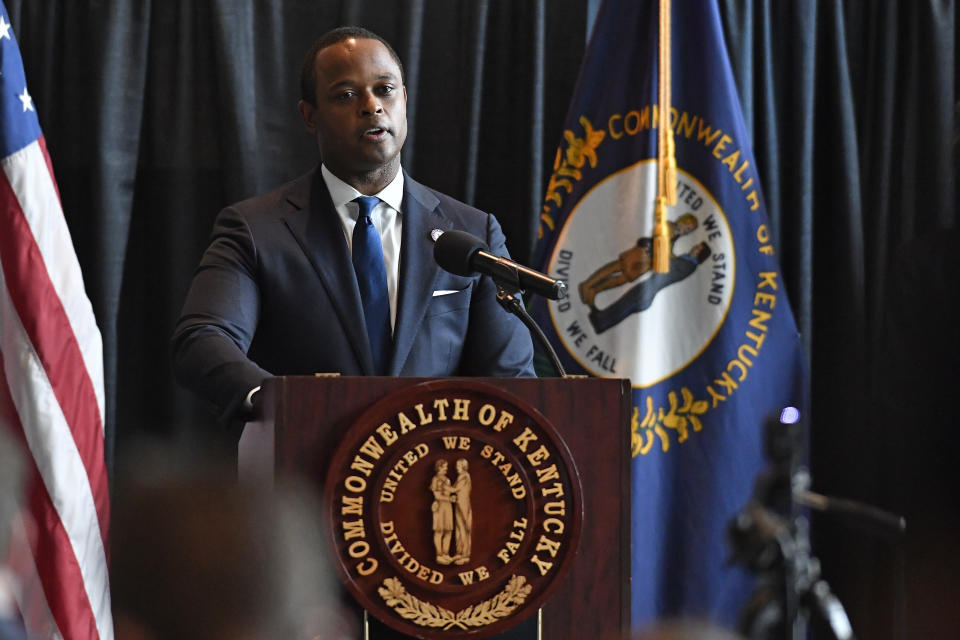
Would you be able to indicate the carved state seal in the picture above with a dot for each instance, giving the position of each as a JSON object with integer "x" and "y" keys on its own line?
{"x": 454, "y": 509}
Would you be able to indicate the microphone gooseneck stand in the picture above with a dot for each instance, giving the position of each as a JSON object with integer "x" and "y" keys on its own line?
{"x": 507, "y": 297}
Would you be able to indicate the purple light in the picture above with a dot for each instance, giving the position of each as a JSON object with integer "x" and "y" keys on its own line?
{"x": 790, "y": 415}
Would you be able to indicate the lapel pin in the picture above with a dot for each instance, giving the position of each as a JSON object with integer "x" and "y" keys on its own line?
{"x": 436, "y": 233}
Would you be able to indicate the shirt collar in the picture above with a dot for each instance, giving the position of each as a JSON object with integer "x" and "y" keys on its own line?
{"x": 341, "y": 193}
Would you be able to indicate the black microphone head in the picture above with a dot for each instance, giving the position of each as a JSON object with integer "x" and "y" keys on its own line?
{"x": 454, "y": 250}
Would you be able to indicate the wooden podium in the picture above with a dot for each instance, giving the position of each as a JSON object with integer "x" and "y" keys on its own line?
{"x": 305, "y": 417}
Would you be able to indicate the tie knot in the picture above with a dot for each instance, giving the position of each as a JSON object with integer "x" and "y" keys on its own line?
{"x": 367, "y": 205}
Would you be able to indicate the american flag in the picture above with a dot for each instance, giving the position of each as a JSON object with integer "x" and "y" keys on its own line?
{"x": 51, "y": 373}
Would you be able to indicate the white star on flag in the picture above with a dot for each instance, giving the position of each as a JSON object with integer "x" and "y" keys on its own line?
{"x": 4, "y": 29}
{"x": 26, "y": 100}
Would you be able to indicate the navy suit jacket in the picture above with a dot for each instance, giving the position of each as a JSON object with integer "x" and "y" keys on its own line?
{"x": 275, "y": 294}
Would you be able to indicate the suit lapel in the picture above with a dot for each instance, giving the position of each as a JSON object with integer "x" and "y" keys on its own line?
{"x": 316, "y": 227}
{"x": 418, "y": 270}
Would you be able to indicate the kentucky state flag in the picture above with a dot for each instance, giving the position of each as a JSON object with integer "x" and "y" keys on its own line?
{"x": 711, "y": 347}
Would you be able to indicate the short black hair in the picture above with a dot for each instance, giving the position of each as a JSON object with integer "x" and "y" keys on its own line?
{"x": 308, "y": 80}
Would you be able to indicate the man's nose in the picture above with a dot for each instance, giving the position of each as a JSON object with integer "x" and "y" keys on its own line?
{"x": 370, "y": 104}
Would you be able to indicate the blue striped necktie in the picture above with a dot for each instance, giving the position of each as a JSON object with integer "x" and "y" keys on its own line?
{"x": 372, "y": 278}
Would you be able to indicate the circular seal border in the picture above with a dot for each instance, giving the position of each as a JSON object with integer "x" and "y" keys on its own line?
{"x": 535, "y": 593}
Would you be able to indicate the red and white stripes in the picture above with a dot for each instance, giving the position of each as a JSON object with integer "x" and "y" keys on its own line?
{"x": 52, "y": 366}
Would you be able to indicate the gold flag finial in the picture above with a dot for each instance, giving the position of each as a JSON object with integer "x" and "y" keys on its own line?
{"x": 666, "y": 158}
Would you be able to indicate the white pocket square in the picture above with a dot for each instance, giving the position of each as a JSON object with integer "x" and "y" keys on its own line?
{"x": 445, "y": 292}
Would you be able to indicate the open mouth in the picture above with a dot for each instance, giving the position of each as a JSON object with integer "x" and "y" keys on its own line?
{"x": 375, "y": 133}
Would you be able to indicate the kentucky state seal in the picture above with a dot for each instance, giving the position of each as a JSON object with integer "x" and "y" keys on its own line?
{"x": 454, "y": 509}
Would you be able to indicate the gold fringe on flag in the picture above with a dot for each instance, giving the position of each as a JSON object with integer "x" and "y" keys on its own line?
{"x": 666, "y": 158}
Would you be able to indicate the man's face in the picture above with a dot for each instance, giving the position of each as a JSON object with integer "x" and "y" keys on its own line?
{"x": 360, "y": 118}
{"x": 685, "y": 227}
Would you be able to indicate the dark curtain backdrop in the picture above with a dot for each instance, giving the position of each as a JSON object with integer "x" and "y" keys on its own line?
{"x": 158, "y": 113}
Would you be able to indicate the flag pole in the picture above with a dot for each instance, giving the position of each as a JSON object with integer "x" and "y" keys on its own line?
{"x": 666, "y": 158}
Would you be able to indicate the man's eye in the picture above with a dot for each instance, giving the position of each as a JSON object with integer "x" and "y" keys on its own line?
{"x": 345, "y": 95}
{"x": 386, "y": 90}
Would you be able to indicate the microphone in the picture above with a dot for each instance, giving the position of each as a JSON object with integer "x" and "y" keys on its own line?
{"x": 463, "y": 254}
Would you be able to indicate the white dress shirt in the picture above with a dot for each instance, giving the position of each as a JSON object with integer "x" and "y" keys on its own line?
{"x": 386, "y": 218}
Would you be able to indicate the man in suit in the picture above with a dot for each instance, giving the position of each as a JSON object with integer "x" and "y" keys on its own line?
{"x": 317, "y": 276}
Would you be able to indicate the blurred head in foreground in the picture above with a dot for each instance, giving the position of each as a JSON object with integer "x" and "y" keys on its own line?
{"x": 202, "y": 557}
{"x": 686, "y": 630}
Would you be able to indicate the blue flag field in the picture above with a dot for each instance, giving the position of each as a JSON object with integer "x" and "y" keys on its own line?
{"x": 710, "y": 347}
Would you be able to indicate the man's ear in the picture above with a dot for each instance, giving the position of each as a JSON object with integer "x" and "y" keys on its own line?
{"x": 307, "y": 112}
